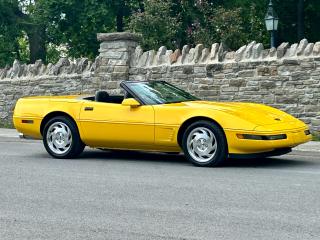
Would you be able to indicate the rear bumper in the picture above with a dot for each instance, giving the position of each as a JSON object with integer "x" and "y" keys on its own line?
{"x": 22, "y": 136}
{"x": 28, "y": 127}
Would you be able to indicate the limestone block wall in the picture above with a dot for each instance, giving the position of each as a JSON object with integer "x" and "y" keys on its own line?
{"x": 64, "y": 77}
{"x": 287, "y": 77}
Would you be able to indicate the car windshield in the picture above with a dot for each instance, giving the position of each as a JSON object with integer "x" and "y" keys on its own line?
{"x": 158, "y": 92}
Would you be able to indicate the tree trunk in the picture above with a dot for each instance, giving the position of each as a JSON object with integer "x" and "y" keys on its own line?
{"x": 37, "y": 43}
{"x": 16, "y": 48}
{"x": 300, "y": 19}
{"x": 119, "y": 21}
{"x": 141, "y": 6}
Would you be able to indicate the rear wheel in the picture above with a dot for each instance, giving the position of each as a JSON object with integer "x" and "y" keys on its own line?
{"x": 61, "y": 138}
{"x": 204, "y": 144}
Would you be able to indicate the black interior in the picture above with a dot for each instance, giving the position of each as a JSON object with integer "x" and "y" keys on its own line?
{"x": 103, "y": 96}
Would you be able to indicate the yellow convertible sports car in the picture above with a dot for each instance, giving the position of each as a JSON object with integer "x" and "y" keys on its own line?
{"x": 157, "y": 116}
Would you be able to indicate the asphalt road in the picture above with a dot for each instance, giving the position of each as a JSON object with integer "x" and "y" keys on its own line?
{"x": 131, "y": 195}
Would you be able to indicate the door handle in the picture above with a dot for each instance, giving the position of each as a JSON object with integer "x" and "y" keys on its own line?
{"x": 88, "y": 108}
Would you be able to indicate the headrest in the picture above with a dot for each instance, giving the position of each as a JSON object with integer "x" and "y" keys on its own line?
{"x": 101, "y": 96}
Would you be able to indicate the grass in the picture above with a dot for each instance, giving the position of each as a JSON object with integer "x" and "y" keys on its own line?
{"x": 316, "y": 136}
{"x": 6, "y": 125}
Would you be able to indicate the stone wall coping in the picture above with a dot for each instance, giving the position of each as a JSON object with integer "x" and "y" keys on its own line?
{"x": 218, "y": 53}
{"x": 197, "y": 56}
{"x": 63, "y": 66}
{"x": 103, "y": 37}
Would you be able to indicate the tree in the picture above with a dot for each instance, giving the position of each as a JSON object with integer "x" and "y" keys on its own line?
{"x": 62, "y": 24}
{"x": 74, "y": 24}
{"x": 9, "y": 49}
{"x": 312, "y": 19}
{"x": 174, "y": 23}
{"x": 47, "y": 29}
{"x": 17, "y": 21}
{"x": 300, "y": 19}
{"x": 219, "y": 25}
{"x": 156, "y": 24}
{"x": 123, "y": 9}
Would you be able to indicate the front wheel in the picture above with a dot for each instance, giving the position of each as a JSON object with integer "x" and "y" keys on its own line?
{"x": 61, "y": 138}
{"x": 204, "y": 144}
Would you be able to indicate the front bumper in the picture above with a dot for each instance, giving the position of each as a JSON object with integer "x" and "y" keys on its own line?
{"x": 273, "y": 153}
{"x": 293, "y": 138}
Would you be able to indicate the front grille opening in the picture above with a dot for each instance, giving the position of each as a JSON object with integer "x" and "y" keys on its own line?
{"x": 262, "y": 137}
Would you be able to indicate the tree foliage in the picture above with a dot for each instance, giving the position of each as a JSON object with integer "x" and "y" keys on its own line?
{"x": 75, "y": 24}
{"x": 47, "y": 29}
{"x": 219, "y": 25}
{"x": 174, "y": 22}
{"x": 8, "y": 33}
{"x": 157, "y": 24}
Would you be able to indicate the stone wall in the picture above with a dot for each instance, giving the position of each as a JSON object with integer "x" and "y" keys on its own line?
{"x": 287, "y": 77}
{"x": 65, "y": 77}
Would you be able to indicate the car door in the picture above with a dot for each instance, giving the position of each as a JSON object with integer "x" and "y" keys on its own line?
{"x": 111, "y": 125}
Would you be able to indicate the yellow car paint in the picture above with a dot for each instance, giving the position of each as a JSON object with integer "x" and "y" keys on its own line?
{"x": 156, "y": 127}
{"x": 115, "y": 125}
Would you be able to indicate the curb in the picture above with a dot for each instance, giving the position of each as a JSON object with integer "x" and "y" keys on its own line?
{"x": 312, "y": 146}
{"x": 8, "y": 133}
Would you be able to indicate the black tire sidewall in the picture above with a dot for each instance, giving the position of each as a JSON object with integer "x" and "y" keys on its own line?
{"x": 76, "y": 144}
{"x": 222, "y": 149}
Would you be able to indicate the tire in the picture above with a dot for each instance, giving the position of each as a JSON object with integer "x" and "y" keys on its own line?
{"x": 204, "y": 144}
{"x": 61, "y": 138}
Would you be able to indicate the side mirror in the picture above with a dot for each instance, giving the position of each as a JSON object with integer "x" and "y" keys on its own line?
{"x": 131, "y": 102}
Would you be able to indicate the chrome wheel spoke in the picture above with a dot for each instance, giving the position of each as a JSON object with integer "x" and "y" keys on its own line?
{"x": 212, "y": 147}
{"x": 55, "y": 145}
{"x": 59, "y": 138}
{"x": 51, "y": 135}
{"x": 198, "y": 152}
{"x": 202, "y": 144}
{"x": 69, "y": 140}
{"x": 63, "y": 144}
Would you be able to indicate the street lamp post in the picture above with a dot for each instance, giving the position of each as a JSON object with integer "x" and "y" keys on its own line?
{"x": 271, "y": 19}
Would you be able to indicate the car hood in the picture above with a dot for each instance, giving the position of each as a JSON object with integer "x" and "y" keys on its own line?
{"x": 258, "y": 114}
